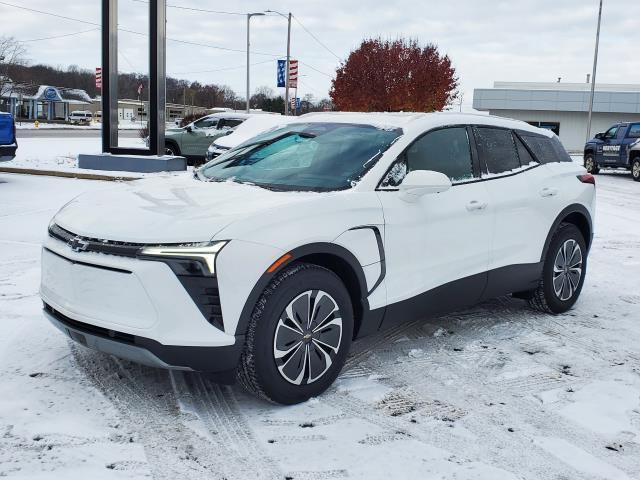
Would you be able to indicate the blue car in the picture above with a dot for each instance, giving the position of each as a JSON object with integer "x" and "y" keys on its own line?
{"x": 611, "y": 149}
{"x": 8, "y": 142}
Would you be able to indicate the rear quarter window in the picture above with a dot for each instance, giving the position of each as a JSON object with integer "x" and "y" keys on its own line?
{"x": 545, "y": 149}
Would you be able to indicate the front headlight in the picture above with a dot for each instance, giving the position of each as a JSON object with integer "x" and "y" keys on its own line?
{"x": 203, "y": 253}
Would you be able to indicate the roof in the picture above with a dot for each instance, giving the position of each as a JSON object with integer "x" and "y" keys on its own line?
{"x": 558, "y": 97}
{"x": 251, "y": 127}
{"x": 413, "y": 123}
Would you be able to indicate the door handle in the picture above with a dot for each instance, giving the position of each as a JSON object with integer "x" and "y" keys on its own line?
{"x": 548, "y": 192}
{"x": 476, "y": 205}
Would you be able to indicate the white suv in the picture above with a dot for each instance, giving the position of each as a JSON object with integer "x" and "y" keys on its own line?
{"x": 298, "y": 241}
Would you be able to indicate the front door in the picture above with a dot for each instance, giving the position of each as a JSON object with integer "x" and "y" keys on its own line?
{"x": 609, "y": 151}
{"x": 437, "y": 248}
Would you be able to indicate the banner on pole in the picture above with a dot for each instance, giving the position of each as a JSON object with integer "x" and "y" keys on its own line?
{"x": 282, "y": 67}
{"x": 98, "y": 77}
{"x": 293, "y": 73}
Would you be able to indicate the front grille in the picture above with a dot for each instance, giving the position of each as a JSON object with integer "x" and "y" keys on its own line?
{"x": 203, "y": 290}
{"x": 80, "y": 243}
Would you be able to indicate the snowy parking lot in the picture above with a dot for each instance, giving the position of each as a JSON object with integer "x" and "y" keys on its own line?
{"x": 489, "y": 393}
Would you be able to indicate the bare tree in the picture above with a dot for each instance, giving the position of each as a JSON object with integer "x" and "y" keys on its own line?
{"x": 12, "y": 54}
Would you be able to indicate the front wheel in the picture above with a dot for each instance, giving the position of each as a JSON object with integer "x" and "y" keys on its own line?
{"x": 298, "y": 336}
{"x": 635, "y": 169}
{"x": 590, "y": 164}
{"x": 171, "y": 150}
{"x": 563, "y": 272}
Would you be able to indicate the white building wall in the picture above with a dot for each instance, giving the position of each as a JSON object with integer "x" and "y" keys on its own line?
{"x": 573, "y": 125}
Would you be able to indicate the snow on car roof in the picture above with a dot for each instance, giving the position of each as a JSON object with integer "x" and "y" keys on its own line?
{"x": 412, "y": 122}
{"x": 251, "y": 127}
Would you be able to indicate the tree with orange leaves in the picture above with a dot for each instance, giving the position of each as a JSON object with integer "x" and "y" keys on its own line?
{"x": 394, "y": 75}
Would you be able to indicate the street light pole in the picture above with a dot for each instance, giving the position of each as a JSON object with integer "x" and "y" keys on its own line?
{"x": 593, "y": 75}
{"x": 249, "y": 15}
{"x": 286, "y": 81}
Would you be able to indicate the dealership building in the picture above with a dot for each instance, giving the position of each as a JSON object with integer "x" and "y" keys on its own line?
{"x": 561, "y": 107}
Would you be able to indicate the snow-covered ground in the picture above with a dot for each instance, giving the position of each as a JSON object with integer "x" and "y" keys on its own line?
{"x": 61, "y": 154}
{"x": 43, "y": 125}
{"x": 493, "y": 392}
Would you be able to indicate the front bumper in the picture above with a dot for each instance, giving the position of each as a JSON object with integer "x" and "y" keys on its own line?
{"x": 219, "y": 360}
{"x": 8, "y": 152}
{"x": 137, "y": 299}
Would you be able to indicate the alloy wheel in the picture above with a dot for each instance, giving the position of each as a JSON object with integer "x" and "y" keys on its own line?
{"x": 567, "y": 270}
{"x": 635, "y": 171}
{"x": 588, "y": 164}
{"x": 307, "y": 337}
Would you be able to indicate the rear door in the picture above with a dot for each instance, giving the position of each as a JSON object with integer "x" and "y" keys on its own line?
{"x": 631, "y": 136}
{"x": 514, "y": 183}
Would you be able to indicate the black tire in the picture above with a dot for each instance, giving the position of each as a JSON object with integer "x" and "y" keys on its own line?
{"x": 545, "y": 298}
{"x": 635, "y": 169}
{"x": 590, "y": 164}
{"x": 259, "y": 371}
{"x": 171, "y": 149}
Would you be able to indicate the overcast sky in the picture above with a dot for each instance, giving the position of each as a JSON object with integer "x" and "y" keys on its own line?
{"x": 516, "y": 40}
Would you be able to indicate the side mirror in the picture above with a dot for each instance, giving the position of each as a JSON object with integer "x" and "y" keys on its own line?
{"x": 600, "y": 136}
{"x": 423, "y": 182}
{"x": 189, "y": 128}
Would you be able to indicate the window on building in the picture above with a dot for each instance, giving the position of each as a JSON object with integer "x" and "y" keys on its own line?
{"x": 497, "y": 150}
{"x": 553, "y": 126}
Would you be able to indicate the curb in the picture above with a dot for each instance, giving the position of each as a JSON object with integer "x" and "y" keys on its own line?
{"x": 54, "y": 173}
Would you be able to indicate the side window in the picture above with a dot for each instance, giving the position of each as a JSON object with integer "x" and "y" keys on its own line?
{"x": 447, "y": 151}
{"x": 525, "y": 157}
{"x": 545, "y": 149}
{"x": 229, "y": 123}
{"x": 634, "y": 131}
{"x": 497, "y": 149}
{"x": 206, "y": 123}
{"x": 611, "y": 133}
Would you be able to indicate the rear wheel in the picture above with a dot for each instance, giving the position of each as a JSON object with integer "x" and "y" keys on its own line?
{"x": 590, "y": 164}
{"x": 298, "y": 337}
{"x": 635, "y": 169}
{"x": 563, "y": 273}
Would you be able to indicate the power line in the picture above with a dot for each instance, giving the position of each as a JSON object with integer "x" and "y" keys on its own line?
{"x": 316, "y": 38}
{"x": 175, "y": 40}
{"x": 196, "y": 9}
{"x": 59, "y": 36}
{"x": 223, "y": 69}
{"x": 315, "y": 69}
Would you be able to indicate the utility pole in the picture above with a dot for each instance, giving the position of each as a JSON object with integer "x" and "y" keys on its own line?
{"x": 286, "y": 80}
{"x": 249, "y": 15}
{"x": 286, "y": 88}
{"x": 593, "y": 75}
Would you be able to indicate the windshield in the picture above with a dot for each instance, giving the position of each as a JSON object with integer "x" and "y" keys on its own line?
{"x": 304, "y": 156}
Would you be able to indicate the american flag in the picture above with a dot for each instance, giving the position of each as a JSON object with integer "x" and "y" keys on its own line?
{"x": 98, "y": 77}
{"x": 293, "y": 73}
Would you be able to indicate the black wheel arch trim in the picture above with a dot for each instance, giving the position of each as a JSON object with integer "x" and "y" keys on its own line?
{"x": 571, "y": 209}
{"x": 317, "y": 248}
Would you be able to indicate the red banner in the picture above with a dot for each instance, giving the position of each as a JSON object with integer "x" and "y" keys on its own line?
{"x": 293, "y": 73}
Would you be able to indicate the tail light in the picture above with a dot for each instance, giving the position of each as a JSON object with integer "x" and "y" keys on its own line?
{"x": 587, "y": 178}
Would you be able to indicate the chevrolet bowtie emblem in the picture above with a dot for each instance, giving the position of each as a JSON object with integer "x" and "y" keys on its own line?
{"x": 78, "y": 245}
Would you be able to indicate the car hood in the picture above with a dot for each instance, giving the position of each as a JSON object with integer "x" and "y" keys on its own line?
{"x": 169, "y": 211}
